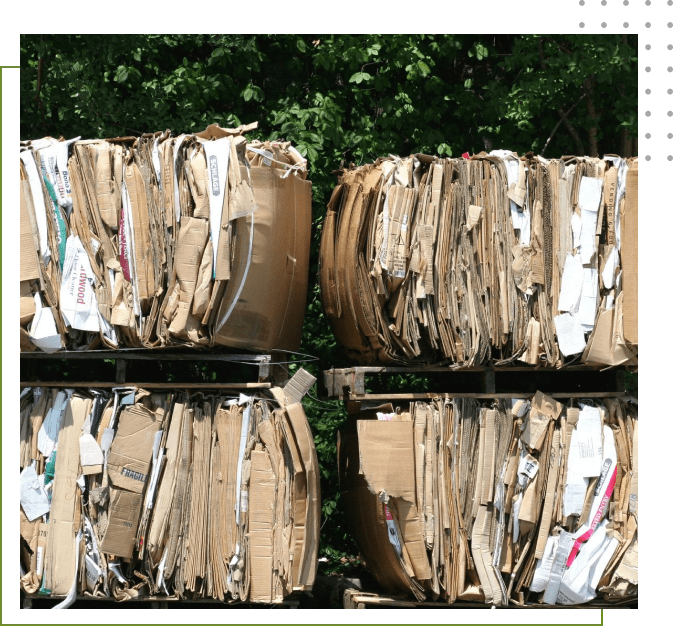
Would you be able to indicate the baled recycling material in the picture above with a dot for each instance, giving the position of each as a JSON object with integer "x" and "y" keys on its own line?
{"x": 503, "y": 502}
{"x": 133, "y": 494}
{"x": 197, "y": 240}
{"x": 492, "y": 259}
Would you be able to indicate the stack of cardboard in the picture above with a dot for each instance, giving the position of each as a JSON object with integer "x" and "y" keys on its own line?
{"x": 521, "y": 501}
{"x": 496, "y": 258}
{"x": 159, "y": 240}
{"x": 137, "y": 493}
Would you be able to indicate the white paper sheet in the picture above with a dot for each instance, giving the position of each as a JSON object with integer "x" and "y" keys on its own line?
{"x": 89, "y": 451}
{"x": 570, "y": 334}
{"x": 543, "y": 566}
{"x": 589, "y": 201}
{"x": 156, "y": 163}
{"x": 576, "y": 224}
{"x": 558, "y": 567}
{"x": 611, "y": 264}
{"x": 42, "y": 330}
{"x": 587, "y": 444}
{"x": 34, "y": 499}
{"x": 607, "y": 468}
{"x": 571, "y": 284}
{"x": 578, "y": 584}
{"x": 589, "y": 299}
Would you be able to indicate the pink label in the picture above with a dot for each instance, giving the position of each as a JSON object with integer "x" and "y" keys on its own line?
{"x": 594, "y": 521}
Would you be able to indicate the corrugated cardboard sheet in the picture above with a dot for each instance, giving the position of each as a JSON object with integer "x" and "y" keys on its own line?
{"x": 160, "y": 240}
{"x": 496, "y": 258}
{"x": 450, "y": 499}
{"x": 196, "y": 497}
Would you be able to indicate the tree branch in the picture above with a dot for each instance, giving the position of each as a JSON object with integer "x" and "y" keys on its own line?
{"x": 579, "y": 147}
{"x": 563, "y": 118}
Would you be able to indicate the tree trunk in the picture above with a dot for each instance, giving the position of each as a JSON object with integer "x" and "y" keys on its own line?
{"x": 579, "y": 146}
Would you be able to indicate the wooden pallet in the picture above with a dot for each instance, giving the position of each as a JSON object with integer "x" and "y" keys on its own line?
{"x": 355, "y": 599}
{"x": 369, "y": 383}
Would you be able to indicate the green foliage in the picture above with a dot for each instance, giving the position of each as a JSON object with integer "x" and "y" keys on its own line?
{"x": 340, "y": 99}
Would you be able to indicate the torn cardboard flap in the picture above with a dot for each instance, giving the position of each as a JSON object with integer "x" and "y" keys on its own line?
{"x": 387, "y": 458}
{"x": 543, "y": 410}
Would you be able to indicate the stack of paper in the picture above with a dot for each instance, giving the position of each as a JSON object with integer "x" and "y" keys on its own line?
{"x": 137, "y": 494}
{"x": 159, "y": 240}
{"x": 496, "y": 258}
{"x": 518, "y": 501}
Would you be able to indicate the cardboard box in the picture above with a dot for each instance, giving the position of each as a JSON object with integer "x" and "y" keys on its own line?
{"x": 263, "y": 309}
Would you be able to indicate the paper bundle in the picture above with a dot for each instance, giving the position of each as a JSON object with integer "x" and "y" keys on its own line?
{"x": 143, "y": 494}
{"x": 518, "y": 501}
{"x": 160, "y": 240}
{"x": 496, "y": 258}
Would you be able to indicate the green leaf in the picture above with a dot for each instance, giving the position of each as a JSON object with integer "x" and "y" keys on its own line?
{"x": 122, "y": 74}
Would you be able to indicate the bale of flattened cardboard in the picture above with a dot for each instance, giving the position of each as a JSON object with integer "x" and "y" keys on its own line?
{"x": 135, "y": 494}
{"x": 200, "y": 240}
{"x": 507, "y": 503}
{"x": 492, "y": 259}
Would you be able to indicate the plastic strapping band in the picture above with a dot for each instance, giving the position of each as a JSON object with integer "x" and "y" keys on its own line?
{"x": 287, "y": 166}
{"x": 245, "y": 275}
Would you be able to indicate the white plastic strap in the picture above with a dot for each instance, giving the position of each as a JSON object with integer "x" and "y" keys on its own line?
{"x": 287, "y": 166}
{"x": 245, "y": 275}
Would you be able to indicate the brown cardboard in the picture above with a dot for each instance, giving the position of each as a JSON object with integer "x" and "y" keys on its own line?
{"x": 262, "y": 498}
{"x": 469, "y": 464}
{"x": 367, "y": 516}
{"x": 376, "y": 273}
{"x": 263, "y": 305}
{"x": 131, "y": 451}
{"x": 387, "y": 458}
{"x": 59, "y": 564}
{"x": 28, "y": 240}
{"x": 629, "y": 254}
{"x": 303, "y": 437}
{"x": 166, "y": 491}
{"x": 124, "y": 516}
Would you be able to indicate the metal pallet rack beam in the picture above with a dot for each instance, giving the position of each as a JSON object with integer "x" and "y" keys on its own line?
{"x": 266, "y": 363}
